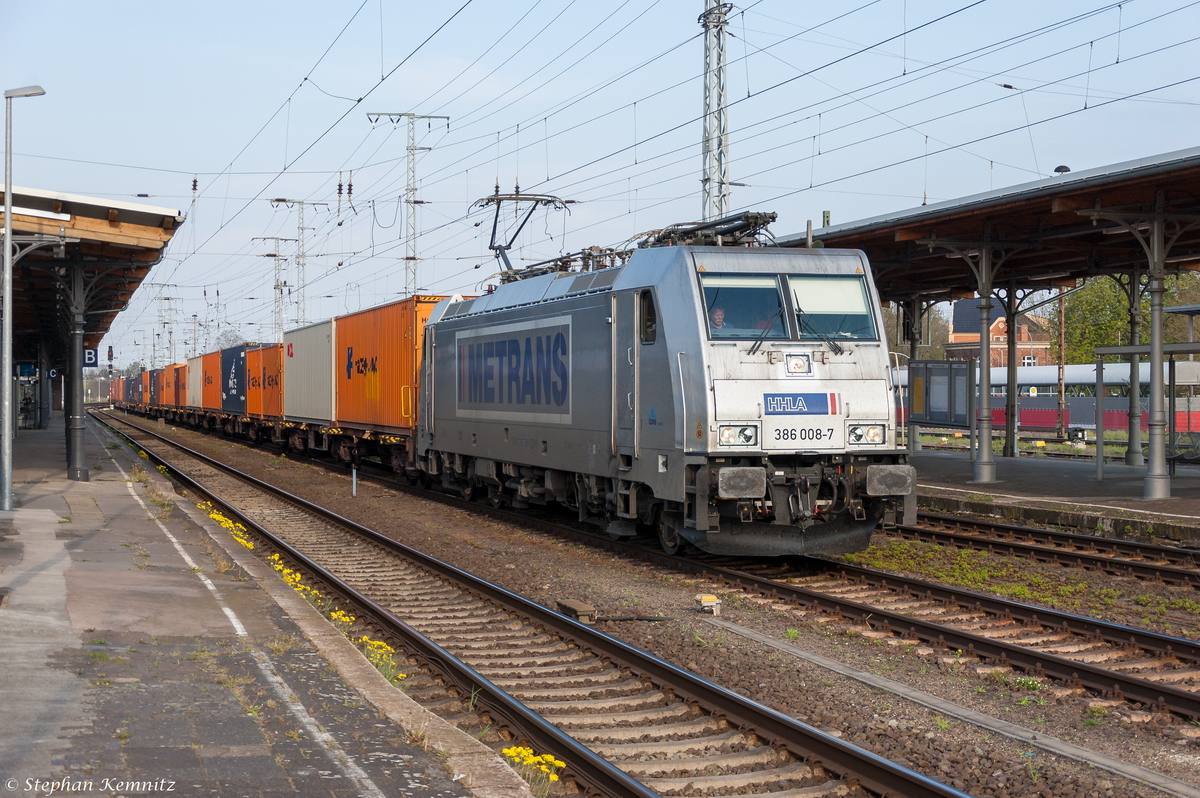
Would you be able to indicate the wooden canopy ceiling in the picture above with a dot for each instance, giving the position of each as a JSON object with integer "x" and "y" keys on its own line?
{"x": 114, "y": 244}
{"x": 1045, "y": 230}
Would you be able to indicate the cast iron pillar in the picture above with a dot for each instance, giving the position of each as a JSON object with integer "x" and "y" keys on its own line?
{"x": 44, "y": 388}
{"x": 1133, "y": 452}
{"x": 76, "y": 460}
{"x": 985, "y": 258}
{"x": 1150, "y": 230}
{"x": 1011, "y": 411}
{"x": 985, "y": 464}
{"x": 914, "y": 310}
{"x": 1158, "y": 478}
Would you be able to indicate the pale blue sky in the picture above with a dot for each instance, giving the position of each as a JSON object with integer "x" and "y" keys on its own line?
{"x": 257, "y": 100}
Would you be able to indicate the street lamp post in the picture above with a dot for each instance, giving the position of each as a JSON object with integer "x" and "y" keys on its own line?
{"x": 6, "y": 331}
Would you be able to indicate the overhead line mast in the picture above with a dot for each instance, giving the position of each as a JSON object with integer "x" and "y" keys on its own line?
{"x": 301, "y": 255}
{"x": 280, "y": 284}
{"x": 410, "y": 192}
{"x": 716, "y": 124}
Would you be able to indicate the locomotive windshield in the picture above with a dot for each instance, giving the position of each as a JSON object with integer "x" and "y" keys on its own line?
{"x": 832, "y": 307}
{"x": 743, "y": 306}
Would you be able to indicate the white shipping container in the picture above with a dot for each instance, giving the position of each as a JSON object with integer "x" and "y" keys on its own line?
{"x": 308, "y": 363}
{"x": 195, "y": 382}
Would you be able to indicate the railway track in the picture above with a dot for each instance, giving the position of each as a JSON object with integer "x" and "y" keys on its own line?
{"x": 975, "y": 630}
{"x": 1158, "y": 671}
{"x": 968, "y": 629}
{"x": 1167, "y": 564}
{"x": 624, "y": 722}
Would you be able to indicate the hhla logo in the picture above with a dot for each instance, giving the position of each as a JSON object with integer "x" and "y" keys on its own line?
{"x": 786, "y": 404}
{"x": 796, "y": 404}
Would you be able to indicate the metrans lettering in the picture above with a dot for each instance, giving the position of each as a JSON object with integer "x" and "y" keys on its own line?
{"x": 800, "y": 404}
{"x": 522, "y": 369}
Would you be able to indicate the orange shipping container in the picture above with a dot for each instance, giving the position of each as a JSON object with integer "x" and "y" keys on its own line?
{"x": 264, "y": 381}
{"x": 144, "y": 386}
{"x": 162, "y": 390}
{"x": 377, "y": 362}
{"x": 180, "y": 370}
{"x": 211, "y": 399}
{"x": 254, "y": 382}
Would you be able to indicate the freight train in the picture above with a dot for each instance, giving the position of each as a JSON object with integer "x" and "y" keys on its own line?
{"x": 736, "y": 399}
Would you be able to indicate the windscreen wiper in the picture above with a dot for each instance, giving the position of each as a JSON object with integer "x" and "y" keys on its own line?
{"x": 833, "y": 345}
{"x": 763, "y": 335}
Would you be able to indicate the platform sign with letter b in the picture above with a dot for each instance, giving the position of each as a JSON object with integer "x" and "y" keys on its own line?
{"x": 91, "y": 358}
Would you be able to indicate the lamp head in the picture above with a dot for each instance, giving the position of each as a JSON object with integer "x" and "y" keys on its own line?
{"x": 26, "y": 91}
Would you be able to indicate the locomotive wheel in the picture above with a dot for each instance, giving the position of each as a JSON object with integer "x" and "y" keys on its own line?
{"x": 669, "y": 538}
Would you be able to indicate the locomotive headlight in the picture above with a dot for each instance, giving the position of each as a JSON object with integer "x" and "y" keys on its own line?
{"x": 866, "y": 433}
{"x": 737, "y": 435}
{"x": 799, "y": 364}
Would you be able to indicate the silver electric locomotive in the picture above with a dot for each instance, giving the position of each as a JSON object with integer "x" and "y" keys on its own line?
{"x": 737, "y": 399}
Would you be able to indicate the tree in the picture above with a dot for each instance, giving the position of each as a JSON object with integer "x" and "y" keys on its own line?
{"x": 935, "y": 332}
{"x": 1098, "y": 315}
{"x": 135, "y": 368}
{"x": 229, "y": 337}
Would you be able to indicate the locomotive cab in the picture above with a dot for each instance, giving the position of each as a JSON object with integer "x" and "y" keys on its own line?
{"x": 801, "y": 453}
{"x": 787, "y": 429}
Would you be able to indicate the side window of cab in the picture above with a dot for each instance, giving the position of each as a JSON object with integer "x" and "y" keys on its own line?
{"x": 649, "y": 317}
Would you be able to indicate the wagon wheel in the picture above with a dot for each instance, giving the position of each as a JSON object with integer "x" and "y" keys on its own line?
{"x": 668, "y": 536}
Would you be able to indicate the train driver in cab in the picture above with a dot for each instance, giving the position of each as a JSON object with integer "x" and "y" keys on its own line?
{"x": 716, "y": 318}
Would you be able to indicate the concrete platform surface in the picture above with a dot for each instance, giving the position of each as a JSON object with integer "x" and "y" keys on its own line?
{"x": 147, "y": 652}
{"x": 1039, "y": 489}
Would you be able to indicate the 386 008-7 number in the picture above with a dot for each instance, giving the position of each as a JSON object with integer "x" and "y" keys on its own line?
{"x": 788, "y": 434}
{"x": 803, "y": 434}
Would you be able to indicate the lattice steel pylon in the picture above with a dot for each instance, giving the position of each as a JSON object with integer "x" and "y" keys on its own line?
{"x": 715, "y": 179}
{"x": 301, "y": 256}
{"x": 410, "y": 192}
{"x": 279, "y": 287}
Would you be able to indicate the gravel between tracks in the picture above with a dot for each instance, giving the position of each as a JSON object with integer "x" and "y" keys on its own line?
{"x": 964, "y": 755}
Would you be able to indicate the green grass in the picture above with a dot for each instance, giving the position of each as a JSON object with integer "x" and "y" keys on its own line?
{"x": 1016, "y": 579}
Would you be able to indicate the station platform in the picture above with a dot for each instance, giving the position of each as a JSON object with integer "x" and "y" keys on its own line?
{"x": 1038, "y": 490}
{"x": 147, "y": 652}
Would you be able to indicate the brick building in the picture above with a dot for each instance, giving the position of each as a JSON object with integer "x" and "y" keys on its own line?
{"x": 1033, "y": 336}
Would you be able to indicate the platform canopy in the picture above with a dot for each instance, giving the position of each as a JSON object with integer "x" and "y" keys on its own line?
{"x": 78, "y": 252}
{"x": 1047, "y": 228}
{"x": 1138, "y": 221}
